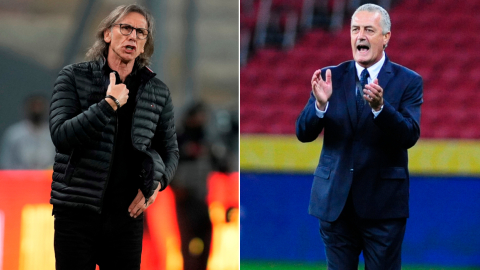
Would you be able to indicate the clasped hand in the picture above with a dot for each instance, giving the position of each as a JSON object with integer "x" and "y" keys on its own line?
{"x": 373, "y": 94}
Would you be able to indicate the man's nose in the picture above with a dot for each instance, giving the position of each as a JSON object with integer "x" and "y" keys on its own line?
{"x": 361, "y": 34}
{"x": 133, "y": 34}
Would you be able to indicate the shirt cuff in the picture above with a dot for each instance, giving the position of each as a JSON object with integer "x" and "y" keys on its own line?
{"x": 375, "y": 114}
{"x": 320, "y": 113}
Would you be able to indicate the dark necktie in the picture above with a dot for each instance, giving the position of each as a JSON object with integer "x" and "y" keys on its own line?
{"x": 359, "y": 96}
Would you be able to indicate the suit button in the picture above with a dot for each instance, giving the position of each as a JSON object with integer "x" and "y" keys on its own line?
{"x": 351, "y": 170}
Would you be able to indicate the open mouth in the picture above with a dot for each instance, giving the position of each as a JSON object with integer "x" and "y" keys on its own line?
{"x": 363, "y": 48}
{"x": 130, "y": 48}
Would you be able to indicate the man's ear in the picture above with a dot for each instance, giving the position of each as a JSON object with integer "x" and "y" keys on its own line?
{"x": 386, "y": 39}
{"x": 107, "y": 35}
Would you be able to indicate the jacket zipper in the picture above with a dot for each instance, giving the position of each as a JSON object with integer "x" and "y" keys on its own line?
{"x": 111, "y": 161}
{"x": 139, "y": 93}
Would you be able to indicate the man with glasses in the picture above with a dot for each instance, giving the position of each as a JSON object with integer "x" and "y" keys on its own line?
{"x": 112, "y": 124}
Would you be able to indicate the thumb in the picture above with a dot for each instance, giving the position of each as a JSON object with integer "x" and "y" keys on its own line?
{"x": 112, "y": 78}
{"x": 375, "y": 81}
{"x": 328, "y": 76}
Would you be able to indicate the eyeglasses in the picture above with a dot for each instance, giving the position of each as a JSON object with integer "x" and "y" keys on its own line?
{"x": 127, "y": 29}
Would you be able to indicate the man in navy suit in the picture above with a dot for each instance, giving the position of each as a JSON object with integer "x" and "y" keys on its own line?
{"x": 369, "y": 110}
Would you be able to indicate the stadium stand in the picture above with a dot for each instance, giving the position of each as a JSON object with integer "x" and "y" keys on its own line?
{"x": 440, "y": 46}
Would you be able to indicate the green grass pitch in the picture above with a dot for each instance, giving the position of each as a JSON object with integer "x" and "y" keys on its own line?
{"x": 264, "y": 265}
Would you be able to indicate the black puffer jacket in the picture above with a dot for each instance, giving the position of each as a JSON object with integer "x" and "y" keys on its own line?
{"x": 83, "y": 129}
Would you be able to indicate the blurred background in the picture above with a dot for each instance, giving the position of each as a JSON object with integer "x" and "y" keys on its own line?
{"x": 196, "y": 55}
{"x": 282, "y": 42}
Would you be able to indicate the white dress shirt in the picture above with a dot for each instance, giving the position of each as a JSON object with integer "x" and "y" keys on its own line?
{"x": 373, "y": 71}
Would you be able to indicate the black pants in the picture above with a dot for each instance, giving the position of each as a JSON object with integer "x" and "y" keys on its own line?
{"x": 112, "y": 240}
{"x": 380, "y": 240}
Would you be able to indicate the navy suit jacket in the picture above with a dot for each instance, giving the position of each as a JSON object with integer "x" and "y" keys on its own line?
{"x": 368, "y": 157}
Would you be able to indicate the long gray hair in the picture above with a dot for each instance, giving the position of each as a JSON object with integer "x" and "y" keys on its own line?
{"x": 100, "y": 47}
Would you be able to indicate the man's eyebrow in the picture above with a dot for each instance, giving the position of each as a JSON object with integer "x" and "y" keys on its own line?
{"x": 364, "y": 26}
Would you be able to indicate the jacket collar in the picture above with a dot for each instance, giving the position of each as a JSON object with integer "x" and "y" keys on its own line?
{"x": 144, "y": 73}
{"x": 372, "y": 70}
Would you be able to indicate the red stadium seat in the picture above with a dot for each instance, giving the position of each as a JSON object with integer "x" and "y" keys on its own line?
{"x": 442, "y": 50}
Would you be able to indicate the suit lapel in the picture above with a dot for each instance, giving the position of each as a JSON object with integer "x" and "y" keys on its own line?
{"x": 385, "y": 74}
{"x": 384, "y": 77}
{"x": 349, "y": 90}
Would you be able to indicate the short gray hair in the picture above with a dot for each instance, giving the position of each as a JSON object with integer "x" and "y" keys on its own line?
{"x": 100, "y": 47}
{"x": 384, "y": 21}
